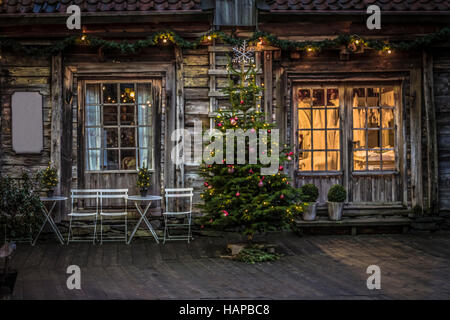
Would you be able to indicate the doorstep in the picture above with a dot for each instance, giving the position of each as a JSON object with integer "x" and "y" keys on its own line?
{"x": 356, "y": 223}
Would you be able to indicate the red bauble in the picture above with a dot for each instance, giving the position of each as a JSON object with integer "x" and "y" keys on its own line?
{"x": 237, "y": 194}
{"x": 260, "y": 184}
{"x": 282, "y": 196}
{"x": 281, "y": 168}
{"x": 242, "y": 101}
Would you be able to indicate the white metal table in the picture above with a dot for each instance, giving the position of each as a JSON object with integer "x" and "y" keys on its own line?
{"x": 48, "y": 216}
{"x": 137, "y": 200}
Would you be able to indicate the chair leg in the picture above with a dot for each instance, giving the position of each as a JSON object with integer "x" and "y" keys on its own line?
{"x": 70, "y": 229}
{"x": 165, "y": 229}
{"x": 126, "y": 230}
{"x": 94, "y": 237}
{"x": 189, "y": 229}
{"x": 101, "y": 229}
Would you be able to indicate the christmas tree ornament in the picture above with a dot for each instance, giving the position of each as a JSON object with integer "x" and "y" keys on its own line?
{"x": 260, "y": 184}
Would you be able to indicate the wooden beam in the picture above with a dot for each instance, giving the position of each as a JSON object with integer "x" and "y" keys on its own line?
{"x": 56, "y": 120}
{"x": 180, "y": 112}
{"x": 416, "y": 136}
{"x": 431, "y": 131}
{"x": 268, "y": 87}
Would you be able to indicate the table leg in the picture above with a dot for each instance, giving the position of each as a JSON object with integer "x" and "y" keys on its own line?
{"x": 143, "y": 217}
{"x": 48, "y": 217}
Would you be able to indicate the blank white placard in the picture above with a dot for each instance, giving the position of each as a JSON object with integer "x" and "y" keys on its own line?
{"x": 27, "y": 128}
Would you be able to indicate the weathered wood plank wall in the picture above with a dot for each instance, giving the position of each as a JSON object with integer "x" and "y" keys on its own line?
{"x": 441, "y": 88}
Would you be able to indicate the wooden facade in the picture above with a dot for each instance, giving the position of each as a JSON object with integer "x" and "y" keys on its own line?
{"x": 191, "y": 79}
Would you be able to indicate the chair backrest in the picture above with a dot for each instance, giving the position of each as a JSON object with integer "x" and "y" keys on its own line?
{"x": 118, "y": 194}
{"x": 179, "y": 193}
{"x": 84, "y": 194}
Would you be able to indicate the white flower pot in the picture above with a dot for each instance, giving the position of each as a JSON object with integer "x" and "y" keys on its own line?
{"x": 310, "y": 212}
{"x": 335, "y": 210}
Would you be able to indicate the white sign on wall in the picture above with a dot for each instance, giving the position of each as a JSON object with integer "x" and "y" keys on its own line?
{"x": 27, "y": 128}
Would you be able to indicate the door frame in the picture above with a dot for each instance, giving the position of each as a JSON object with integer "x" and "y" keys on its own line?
{"x": 346, "y": 129}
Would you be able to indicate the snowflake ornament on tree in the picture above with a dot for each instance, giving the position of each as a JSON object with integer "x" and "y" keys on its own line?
{"x": 243, "y": 54}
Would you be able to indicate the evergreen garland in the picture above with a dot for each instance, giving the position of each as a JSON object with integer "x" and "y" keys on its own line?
{"x": 165, "y": 37}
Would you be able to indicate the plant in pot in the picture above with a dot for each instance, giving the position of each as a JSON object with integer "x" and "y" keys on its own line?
{"x": 143, "y": 181}
{"x": 336, "y": 197}
{"x": 310, "y": 193}
{"x": 48, "y": 179}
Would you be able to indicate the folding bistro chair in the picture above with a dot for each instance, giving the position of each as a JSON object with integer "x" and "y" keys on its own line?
{"x": 110, "y": 194}
{"x": 185, "y": 212}
{"x": 84, "y": 195}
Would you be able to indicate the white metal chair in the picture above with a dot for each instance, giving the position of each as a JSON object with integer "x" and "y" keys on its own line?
{"x": 110, "y": 194}
{"x": 85, "y": 195}
{"x": 185, "y": 213}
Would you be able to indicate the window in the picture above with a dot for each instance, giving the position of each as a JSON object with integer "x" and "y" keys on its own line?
{"x": 118, "y": 124}
{"x": 373, "y": 128}
{"x": 318, "y": 129}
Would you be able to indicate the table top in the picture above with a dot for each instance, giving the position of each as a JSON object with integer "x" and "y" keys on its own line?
{"x": 55, "y": 198}
{"x": 146, "y": 198}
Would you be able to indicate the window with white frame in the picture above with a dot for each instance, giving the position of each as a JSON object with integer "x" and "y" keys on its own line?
{"x": 118, "y": 124}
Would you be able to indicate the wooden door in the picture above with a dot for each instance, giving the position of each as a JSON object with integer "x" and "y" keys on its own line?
{"x": 120, "y": 133}
{"x": 374, "y": 113}
{"x": 318, "y": 122}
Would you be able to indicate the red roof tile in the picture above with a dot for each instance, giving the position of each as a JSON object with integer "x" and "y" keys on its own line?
{"x": 358, "y": 5}
{"x": 60, "y": 6}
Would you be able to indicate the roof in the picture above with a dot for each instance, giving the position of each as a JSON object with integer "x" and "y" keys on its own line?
{"x": 60, "y": 6}
{"x": 357, "y": 5}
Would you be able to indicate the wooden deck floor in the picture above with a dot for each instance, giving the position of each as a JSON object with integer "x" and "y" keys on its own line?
{"x": 319, "y": 267}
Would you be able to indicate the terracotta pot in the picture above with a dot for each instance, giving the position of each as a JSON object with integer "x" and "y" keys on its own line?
{"x": 335, "y": 210}
{"x": 310, "y": 212}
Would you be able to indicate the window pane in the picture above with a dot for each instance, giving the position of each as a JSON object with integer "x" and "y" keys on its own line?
{"x": 333, "y": 118}
{"x": 373, "y": 96}
{"x": 111, "y": 137}
{"x": 93, "y": 160}
{"x": 93, "y": 138}
{"x": 128, "y": 139}
{"x": 319, "y": 119}
{"x": 127, "y": 115}
{"x": 373, "y": 139}
{"x": 359, "y": 139}
{"x": 304, "y": 119}
{"x": 110, "y": 115}
{"x": 303, "y": 98}
{"x": 319, "y": 139}
{"x": 359, "y": 160}
{"x": 319, "y": 161}
{"x": 387, "y": 116}
{"x": 128, "y": 159}
{"x": 318, "y": 98}
{"x": 109, "y": 92}
{"x": 92, "y": 94}
{"x": 144, "y": 137}
{"x": 145, "y": 158}
{"x": 127, "y": 93}
{"x": 333, "y": 139}
{"x": 111, "y": 160}
{"x": 332, "y": 97}
{"x": 304, "y": 140}
{"x": 333, "y": 160}
{"x": 387, "y": 97}
{"x": 144, "y": 93}
{"x": 304, "y": 162}
{"x": 387, "y": 139}
{"x": 359, "y": 99}
{"x": 145, "y": 114}
{"x": 373, "y": 118}
{"x": 388, "y": 160}
{"x": 359, "y": 118}
{"x": 93, "y": 116}
{"x": 374, "y": 160}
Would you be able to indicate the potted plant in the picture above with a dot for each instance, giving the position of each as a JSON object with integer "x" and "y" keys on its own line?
{"x": 48, "y": 179}
{"x": 143, "y": 181}
{"x": 336, "y": 197}
{"x": 310, "y": 193}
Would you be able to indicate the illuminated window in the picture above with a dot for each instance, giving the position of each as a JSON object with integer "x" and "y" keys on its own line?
{"x": 318, "y": 129}
{"x": 118, "y": 125}
{"x": 373, "y": 129}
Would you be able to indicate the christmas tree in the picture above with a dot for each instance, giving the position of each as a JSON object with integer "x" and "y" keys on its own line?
{"x": 239, "y": 195}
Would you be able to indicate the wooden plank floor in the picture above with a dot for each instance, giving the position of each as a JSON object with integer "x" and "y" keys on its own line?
{"x": 315, "y": 267}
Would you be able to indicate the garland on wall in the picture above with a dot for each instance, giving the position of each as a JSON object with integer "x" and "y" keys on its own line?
{"x": 259, "y": 37}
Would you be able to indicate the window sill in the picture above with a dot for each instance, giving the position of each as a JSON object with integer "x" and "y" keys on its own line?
{"x": 375, "y": 173}
{"x": 319, "y": 173}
